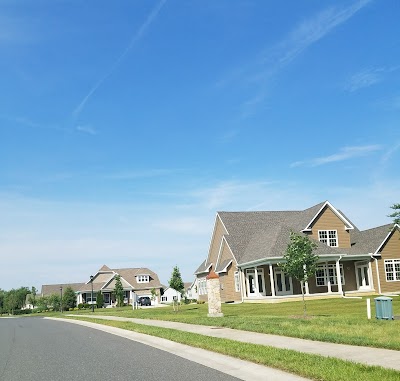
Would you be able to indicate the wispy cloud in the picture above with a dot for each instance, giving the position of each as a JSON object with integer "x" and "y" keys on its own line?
{"x": 368, "y": 77}
{"x": 134, "y": 40}
{"x": 26, "y": 122}
{"x": 390, "y": 152}
{"x": 87, "y": 129}
{"x": 344, "y": 153}
{"x": 298, "y": 40}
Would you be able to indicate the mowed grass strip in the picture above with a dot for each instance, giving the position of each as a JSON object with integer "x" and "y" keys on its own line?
{"x": 341, "y": 321}
{"x": 310, "y": 366}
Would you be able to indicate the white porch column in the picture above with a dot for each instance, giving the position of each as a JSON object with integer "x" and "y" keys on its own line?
{"x": 271, "y": 280}
{"x": 244, "y": 288}
{"x": 256, "y": 281}
{"x": 339, "y": 277}
{"x": 307, "y": 290}
{"x": 328, "y": 278}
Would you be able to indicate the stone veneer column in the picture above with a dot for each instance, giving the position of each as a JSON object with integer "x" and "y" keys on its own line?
{"x": 214, "y": 295}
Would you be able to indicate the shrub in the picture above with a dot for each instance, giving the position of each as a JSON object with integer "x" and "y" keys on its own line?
{"x": 80, "y": 306}
{"x": 86, "y": 305}
{"x": 71, "y": 309}
{"x": 200, "y": 302}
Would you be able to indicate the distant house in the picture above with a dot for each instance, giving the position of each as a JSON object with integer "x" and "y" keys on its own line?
{"x": 191, "y": 290}
{"x": 136, "y": 282}
{"x": 247, "y": 247}
{"x": 170, "y": 295}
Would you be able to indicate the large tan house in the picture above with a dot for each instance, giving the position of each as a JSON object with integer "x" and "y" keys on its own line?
{"x": 246, "y": 248}
{"x": 136, "y": 282}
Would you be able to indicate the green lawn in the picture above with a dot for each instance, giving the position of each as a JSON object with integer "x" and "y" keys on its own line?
{"x": 311, "y": 366}
{"x": 332, "y": 320}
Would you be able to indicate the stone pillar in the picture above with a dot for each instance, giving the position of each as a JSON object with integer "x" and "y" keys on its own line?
{"x": 214, "y": 295}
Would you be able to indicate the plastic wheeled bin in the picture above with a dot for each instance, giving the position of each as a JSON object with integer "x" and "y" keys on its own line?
{"x": 383, "y": 308}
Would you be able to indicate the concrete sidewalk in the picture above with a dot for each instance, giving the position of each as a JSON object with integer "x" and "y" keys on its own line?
{"x": 241, "y": 369}
{"x": 365, "y": 355}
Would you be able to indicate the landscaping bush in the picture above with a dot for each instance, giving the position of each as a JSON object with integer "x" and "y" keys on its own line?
{"x": 86, "y": 306}
{"x": 200, "y": 302}
{"x": 80, "y": 306}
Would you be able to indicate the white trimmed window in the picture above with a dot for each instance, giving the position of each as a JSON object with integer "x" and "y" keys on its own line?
{"x": 392, "y": 270}
{"x": 328, "y": 272}
{"x": 329, "y": 237}
{"x": 142, "y": 279}
{"x": 164, "y": 298}
{"x": 237, "y": 281}
{"x": 202, "y": 286}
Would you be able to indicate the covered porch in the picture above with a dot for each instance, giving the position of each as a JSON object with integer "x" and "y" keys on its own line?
{"x": 335, "y": 276}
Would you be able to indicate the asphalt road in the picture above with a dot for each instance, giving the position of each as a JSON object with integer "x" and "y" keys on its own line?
{"x": 38, "y": 349}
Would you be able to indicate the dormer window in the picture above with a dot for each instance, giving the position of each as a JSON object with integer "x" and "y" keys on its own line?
{"x": 143, "y": 278}
{"x": 328, "y": 237}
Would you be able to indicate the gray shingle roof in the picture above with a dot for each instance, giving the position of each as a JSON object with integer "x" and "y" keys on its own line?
{"x": 255, "y": 236}
{"x": 50, "y": 289}
{"x": 368, "y": 241}
{"x": 202, "y": 268}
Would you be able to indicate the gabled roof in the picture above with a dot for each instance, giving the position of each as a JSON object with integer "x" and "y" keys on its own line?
{"x": 372, "y": 240}
{"x": 203, "y": 268}
{"x": 327, "y": 204}
{"x": 223, "y": 266}
{"x": 256, "y": 235}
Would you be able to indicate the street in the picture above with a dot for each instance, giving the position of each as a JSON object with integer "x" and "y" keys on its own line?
{"x": 38, "y": 349}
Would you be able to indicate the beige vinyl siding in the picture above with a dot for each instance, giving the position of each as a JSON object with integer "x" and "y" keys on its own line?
{"x": 227, "y": 279}
{"x": 391, "y": 250}
{"x": 216, "y": 243}
{"x": 328, "y": 220}
{"x": 349, "y": 270}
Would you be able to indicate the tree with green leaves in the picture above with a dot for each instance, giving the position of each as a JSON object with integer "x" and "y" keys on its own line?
{"x": 153, "y": 294}
{"x": 99, "y": 299}
{"x": 32, "y": 297}
{"x": 119, "y": 291}
{"x": 299, "y": 261}
{"x": 396, "y": 214}
{"x": 69, "y": 299}
{"x": 54, "y": 301}
{"x": 176, "y": 283}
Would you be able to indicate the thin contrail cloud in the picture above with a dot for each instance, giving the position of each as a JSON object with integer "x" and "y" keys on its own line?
{"x": 136, "y": 37}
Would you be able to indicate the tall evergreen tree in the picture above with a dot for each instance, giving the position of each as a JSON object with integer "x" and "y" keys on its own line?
{"x": 69, "y": 298}
{"x": 32, "y": 297}
{"x": 119, "y": 291}
{"x": 99, "y": 299}
{"x": 176, "y": 282}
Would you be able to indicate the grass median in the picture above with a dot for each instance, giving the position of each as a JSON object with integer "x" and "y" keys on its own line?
{"x": 341, "y": 321}
{"x": 310, "y": 366}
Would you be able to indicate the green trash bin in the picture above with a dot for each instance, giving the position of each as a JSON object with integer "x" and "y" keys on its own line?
{"x": 383, "y": 308}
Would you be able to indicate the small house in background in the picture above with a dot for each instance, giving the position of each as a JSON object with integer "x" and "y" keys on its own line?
{"x": 136, "y": 282}
{"x": 170, "y": 295}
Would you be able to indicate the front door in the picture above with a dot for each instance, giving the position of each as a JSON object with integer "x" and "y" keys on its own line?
{"x": 363, "y": 276}
{"x": 107, "y": 298}
{"x": 283, "y": 283}
{"x": 251, "y": 282}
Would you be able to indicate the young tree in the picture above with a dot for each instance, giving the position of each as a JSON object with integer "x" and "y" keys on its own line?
{"x": 396, "y": 214}
{"x": 153, "y": 294}
{"x": 119, "y": 291}
{"x": 176, "y": 283}
{"x": 32, "y": 297}
{"x": 99, "y": 299}
{"x": 69, "y": 298}
{"x": 299, "y": 261}
{"x": 54, "y": 301}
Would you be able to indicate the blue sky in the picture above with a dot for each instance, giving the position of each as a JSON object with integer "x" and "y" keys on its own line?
{"x": 125, "y": 126}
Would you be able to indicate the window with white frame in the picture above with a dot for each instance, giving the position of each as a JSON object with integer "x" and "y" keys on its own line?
{"x": 329, "y": 237}
{"x": 237, "y": 281}
{"x": 328, "y": 272}
{"x": 202, "y": 286}
{"x": 142, "y": 279}
{"x": 392, "y": 270}
{"x": 164, "y": 298}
